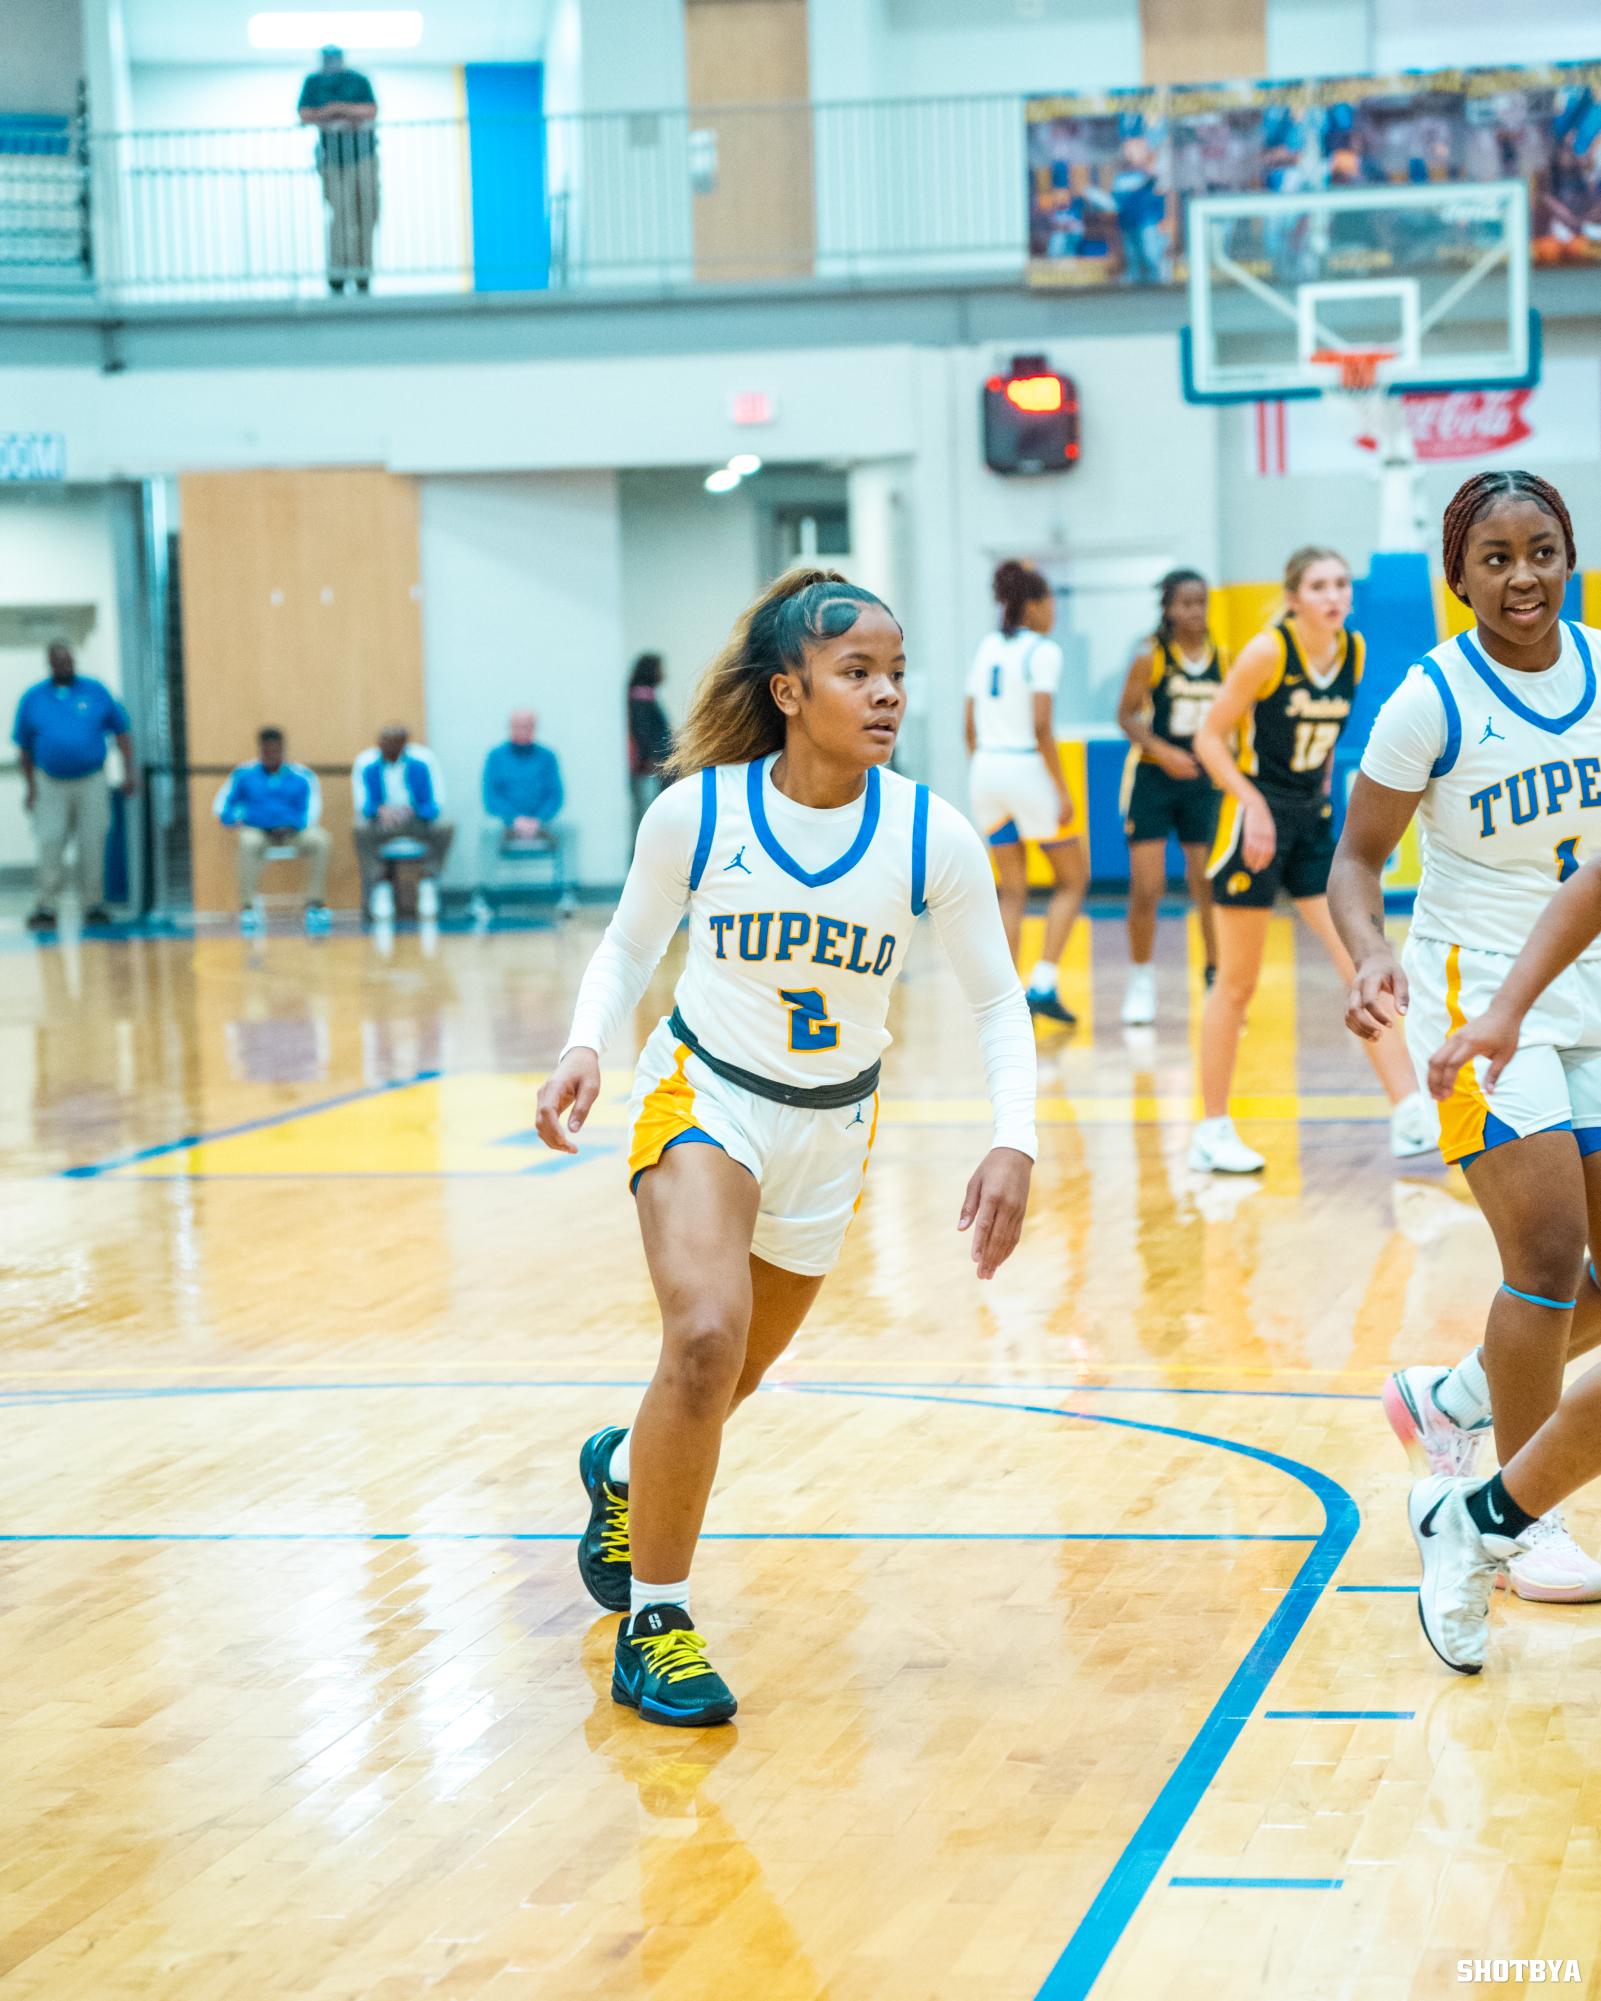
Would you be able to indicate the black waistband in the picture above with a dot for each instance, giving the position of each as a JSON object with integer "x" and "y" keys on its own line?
{"x": 822, "y": 1098}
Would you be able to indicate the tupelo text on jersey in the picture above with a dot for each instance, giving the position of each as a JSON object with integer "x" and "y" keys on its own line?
{"x": 755, "y": 935}
{"x": 1578, "y": 779}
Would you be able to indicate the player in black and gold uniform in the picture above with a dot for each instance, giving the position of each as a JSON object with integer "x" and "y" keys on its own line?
{"x": 1286, "y": 745}
{"x": 1289, "y": 695}
{"x": 1171, "y": 685}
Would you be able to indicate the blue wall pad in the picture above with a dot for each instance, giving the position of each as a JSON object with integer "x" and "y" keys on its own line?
{"x": 506, "y": 149}
{"x": 1393, "y": 606}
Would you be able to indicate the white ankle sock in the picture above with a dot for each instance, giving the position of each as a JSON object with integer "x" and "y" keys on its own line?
{"x": 1464, "y": 1395}
{"x": 1042, "y": 980}
{"x": 617, "y": 1465}
{"x": 640, "y": 1595}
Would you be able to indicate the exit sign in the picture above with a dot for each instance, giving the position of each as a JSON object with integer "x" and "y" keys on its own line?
{"x": 752, "y": 406}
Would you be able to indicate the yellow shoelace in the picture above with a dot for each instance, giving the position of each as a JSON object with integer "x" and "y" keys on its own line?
{"x": 676, "y": 1656}
{"x": 614, "y": 1531}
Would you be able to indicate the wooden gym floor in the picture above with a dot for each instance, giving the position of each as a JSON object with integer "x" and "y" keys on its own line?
{"x": 1070, "y": 1616}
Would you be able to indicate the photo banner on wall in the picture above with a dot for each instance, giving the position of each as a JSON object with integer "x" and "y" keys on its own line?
{"x": 1557, "y": 422}
{"x": 1110, "y": 175}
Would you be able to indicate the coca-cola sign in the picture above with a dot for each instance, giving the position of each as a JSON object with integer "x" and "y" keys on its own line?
{"x": 1467, "y": 423}
{"x": 1557, "y": 420}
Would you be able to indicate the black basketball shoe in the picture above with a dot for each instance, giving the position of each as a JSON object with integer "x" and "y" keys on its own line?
{"x": 662, "y": 1671}
{"x": 603, "y": 1561}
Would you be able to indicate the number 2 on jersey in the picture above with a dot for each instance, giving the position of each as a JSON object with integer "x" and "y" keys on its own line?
{"x": 1313, "y": 742}
{"x": 809, "y": 1026}
{"x": 1567, "y": 857}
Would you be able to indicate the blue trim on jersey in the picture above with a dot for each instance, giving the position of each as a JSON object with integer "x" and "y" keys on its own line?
{"x": 919, "y": 850}
{"x": 708, "y": 824}
{"x": 1552, "y": 725}
{"x": 1005, "y": 835}
{"x": 1453, "y": 721}
{"x": 756, "y": 772}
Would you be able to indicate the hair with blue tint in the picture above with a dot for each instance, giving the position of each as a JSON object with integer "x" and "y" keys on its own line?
{"x": 733, "y": 717}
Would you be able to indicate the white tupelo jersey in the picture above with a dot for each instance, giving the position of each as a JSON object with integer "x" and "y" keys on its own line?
{"x": 799, "y": 921}
{"x": 1008, "y": 671}
{"x": 1509, "y": 765}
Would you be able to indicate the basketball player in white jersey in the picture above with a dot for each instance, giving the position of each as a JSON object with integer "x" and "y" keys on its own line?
{"x": 1494, "y": 741}
{"x": 802, "y": 864}
{"x": 1015, "y": 778}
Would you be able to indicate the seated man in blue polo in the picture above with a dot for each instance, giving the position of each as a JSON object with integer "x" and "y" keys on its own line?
{"x": 276, "y": 804}
{"x": 399, "y": 795}
{"x": 522, "y": 781}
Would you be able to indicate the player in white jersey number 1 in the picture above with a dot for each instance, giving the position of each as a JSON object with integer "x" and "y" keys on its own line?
{"x": 802, "y": 865}
{"x": 1494, "y": 741}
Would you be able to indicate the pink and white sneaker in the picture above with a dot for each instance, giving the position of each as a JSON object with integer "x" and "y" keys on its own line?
{"x": 1551, "y": 1568}
{"x": 1423, "y": 1428}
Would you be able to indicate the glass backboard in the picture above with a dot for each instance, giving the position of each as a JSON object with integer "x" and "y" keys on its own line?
{"x": 1436, "y": 274}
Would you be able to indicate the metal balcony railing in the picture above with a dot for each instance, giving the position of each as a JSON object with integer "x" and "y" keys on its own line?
{"x": 654, "y": 199}
{"x": 1081, "y": 190}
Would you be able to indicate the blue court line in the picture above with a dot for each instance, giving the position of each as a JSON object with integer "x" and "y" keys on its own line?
{"x": 1256, "y": 1882}
{"x": 1084, "y": 1956}
{"x": 1095, "y": 1938}
{"x": 567, "y": 1535}
{"x": 837, "y": 1386}
{"x": 556, "y": 1164}
{"x": 132, "y": 1159}
{"x": 1340, "y": 1715}
{"x": 1410, "y": 1588}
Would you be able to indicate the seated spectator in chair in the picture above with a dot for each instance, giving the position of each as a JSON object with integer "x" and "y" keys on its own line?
{"x": 399, "y": 795}
{"x": 275, "y": 804}
{"x": 522, "y": 783}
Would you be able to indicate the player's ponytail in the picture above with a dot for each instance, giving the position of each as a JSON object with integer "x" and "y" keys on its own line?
{"x": 732, "y": 717}
{"x": 1016, "y": 586}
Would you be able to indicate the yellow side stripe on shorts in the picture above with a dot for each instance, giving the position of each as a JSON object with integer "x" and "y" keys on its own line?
{"x": 1228, "y": 828}
{"x": 872, "y": 1134}
{"x": 668, "y": 1111}
{"x": 1463, "y": 1114}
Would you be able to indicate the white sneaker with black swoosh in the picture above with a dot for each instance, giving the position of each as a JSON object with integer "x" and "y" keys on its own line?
{"x": 1459, "y": 1567}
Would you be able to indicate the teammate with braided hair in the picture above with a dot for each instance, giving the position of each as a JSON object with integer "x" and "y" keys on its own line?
{"x": 1494, "y": 742}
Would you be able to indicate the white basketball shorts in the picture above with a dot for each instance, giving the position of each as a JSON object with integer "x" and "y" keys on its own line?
{"x": 811, "y": 1165}
{"x": 1013, "y": 799}
{"x": 1553, "y": 1083}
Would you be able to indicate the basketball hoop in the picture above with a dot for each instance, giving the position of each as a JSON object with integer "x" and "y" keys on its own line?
{"x": 1378, "y": 425}
{"x": 1358, "y": 366}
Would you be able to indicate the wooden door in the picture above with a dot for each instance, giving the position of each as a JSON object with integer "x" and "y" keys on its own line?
{"x": 301, "y": 608}
{"x": 749, "y": 85}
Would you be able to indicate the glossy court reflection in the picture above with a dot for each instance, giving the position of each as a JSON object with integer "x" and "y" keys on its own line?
{"x": 295, "y": 1368}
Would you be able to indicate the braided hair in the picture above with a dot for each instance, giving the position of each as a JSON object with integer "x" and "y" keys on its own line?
{"x": 1166, "y": 591}
{"x": 732, "y": 717}
{"x": 1475, "y": 497}
{"x": 1016, "y": 586}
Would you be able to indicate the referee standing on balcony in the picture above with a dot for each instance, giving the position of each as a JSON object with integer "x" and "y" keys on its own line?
{"x": 340, "y": 103}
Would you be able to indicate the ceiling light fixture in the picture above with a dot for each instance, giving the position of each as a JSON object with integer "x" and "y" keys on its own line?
{"x": 744, "y": 464}
{"x": 345, "y": 28}
{"x": 724, "y": 480}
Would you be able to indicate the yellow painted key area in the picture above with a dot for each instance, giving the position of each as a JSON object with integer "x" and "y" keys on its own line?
{"x": 1070, "y": 1615}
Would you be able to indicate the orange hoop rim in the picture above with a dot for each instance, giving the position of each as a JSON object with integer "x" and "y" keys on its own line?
{"x": 1358, "y": 366}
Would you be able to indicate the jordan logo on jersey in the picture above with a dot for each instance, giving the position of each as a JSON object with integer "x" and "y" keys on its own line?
{"x": 1490, "y": 731}
{"x": 755, "y": 935}
{"x": 738, "y": 862}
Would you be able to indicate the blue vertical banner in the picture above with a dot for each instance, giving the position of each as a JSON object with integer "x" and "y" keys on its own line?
{"x": 506, "y": 152}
